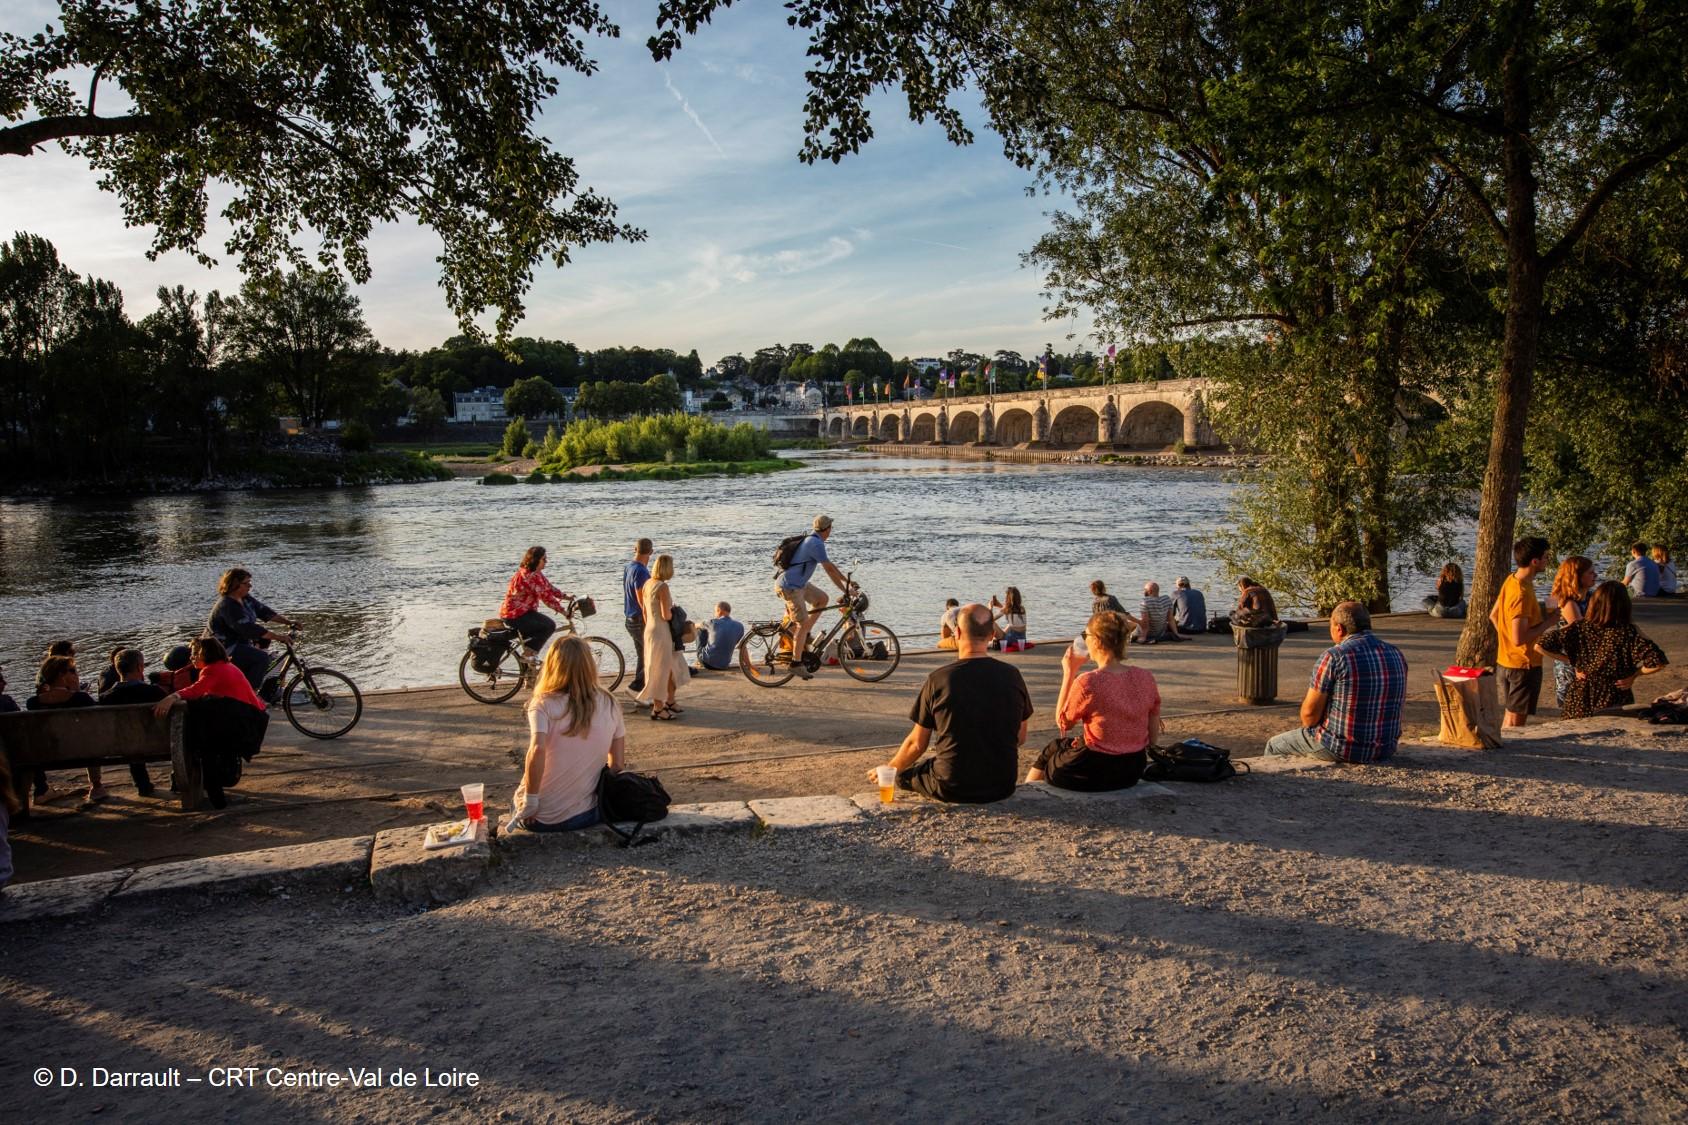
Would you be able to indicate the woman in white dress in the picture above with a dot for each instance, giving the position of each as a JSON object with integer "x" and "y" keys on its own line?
{"x": 665, "y": 671}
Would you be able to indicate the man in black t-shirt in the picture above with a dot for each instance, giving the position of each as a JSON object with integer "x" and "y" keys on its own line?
{"x": 972, "y": 715}
{"x": 133, "y": 688}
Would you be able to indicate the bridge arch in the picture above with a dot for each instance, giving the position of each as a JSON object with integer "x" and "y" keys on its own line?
{"x": 1152, "y": 424}
{"x": 925, "y": 429}
{"x": 964, "y": 428}
{"x": 862, "y": 428}
{"x": 889, "y": 427}
{"x": 1076, "y": 425}
{"x": 835, "y": 428}
{"x": 1014, "y": 427}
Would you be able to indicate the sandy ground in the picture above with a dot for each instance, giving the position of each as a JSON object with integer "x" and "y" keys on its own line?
{"x": 403, "y": 763}
{"x": 1485, "y": 937}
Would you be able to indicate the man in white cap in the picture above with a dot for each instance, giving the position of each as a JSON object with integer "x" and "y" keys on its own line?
{"x": 803, "y": 599}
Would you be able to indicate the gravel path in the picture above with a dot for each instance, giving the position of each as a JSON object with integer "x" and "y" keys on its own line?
{"x": 1457, "y": 937}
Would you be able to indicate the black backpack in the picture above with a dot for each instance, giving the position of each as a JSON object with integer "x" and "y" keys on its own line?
{"x": 787, "y": 549}
{"x": 1190, "y": 760}
{"x": 638, "y": 797}
{"x": 486, "y": 652}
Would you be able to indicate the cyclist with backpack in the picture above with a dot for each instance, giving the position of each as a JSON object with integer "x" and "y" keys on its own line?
{"x": 797, "y": 558}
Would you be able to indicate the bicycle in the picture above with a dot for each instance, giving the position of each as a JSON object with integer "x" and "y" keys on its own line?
{"x": 866, "y": 650}
{"x": 319, "y": 702}
{"x": 497, "y": 666}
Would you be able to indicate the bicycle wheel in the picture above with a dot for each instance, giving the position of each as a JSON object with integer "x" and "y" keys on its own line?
{"x": 877, "y": 655}
{"x": 322, "y": 703}
{"x": 496, "y": 686}
{"x": 611, "y": 664}
{"x": 760, "y": 657}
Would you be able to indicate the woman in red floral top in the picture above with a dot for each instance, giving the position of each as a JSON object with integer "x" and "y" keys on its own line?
{"x": 1118, "y": 706}
{"x": 528, "y": 587}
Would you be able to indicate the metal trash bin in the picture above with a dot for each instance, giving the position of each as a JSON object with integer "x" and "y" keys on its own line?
{"x": 1257, "y": 663}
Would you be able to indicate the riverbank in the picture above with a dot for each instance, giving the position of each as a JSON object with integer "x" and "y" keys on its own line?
{"x": 412, "y": 749}
{"x": 269, "y": 469}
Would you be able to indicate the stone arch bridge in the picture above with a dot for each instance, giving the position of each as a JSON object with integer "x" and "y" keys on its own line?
{"x": 1120, "y": 416}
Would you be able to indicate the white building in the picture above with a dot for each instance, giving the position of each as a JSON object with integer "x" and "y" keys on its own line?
{"x": 926, "y": 364}
{"x": 485, "y": 404}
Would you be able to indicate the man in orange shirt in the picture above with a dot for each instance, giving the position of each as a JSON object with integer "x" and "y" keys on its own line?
{"x": 1518, "y": 621}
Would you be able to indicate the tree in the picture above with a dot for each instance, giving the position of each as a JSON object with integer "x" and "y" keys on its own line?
{"x": 427, "y": 409}
{"x": 328, "y": 115}
{"x": 532, "y": 398}
{"x": 732, "y": 366}
{"x": 767, "y": 365}
{"x": 304, "y": 334}
{"x": 184, "y": 345}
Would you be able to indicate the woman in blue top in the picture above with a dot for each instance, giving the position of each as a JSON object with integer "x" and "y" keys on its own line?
{"x": 237, "y": 620}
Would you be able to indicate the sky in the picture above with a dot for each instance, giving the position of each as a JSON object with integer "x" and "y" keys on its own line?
{"x": 914, "y": 241}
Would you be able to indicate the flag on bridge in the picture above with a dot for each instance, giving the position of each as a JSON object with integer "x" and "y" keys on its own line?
{"x": 1043, "y": 369}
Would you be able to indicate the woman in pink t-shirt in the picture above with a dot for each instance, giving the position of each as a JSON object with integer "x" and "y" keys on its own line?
{"x": 574, "y": 731}
{"x": 1118, "y": 707}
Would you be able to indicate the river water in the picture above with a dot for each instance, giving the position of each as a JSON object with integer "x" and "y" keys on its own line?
{"x": 388, "y": 580}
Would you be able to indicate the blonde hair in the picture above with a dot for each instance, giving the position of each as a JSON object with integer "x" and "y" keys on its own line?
{"x": 570, "y": 670}
{"x": 1108, "y": 632}
{"x": 663, "y": 569}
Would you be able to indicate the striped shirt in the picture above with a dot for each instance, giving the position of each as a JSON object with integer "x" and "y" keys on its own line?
{"x": 1366, "y": 680}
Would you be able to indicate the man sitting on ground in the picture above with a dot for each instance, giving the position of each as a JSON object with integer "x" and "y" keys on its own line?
{"x": 1642, "y": 573}
{"x": 948, "y": 630}
{"x": 1189, "y": 608}
{"x": 132, "y": 687}
{"x": 972, "y": 715}
{"x": 1352, "y": 712}
{"x": 1155, "y": 622}
{"x": 717, "y": 640}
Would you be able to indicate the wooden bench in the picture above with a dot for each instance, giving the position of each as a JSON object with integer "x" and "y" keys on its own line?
{"x": 71, "y": 738}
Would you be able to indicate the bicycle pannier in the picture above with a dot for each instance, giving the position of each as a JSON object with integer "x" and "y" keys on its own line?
{"x": 486, "y": 653}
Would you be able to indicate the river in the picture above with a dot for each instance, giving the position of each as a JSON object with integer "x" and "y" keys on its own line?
{"x": 388, "y": 580}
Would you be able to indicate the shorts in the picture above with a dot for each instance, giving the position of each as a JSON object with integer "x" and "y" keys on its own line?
{"x": 1519, "y": 688}
{"x": 794, "y": 599}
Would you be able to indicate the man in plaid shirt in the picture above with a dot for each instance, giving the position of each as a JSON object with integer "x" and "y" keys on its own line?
{"x": 1352, "y": 712}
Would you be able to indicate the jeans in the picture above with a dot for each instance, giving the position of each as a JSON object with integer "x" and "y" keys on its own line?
{"x": 534, "y": 628}
{"x": 582, "y": 820}
{"x": 251, "y": 660}
{"x": 636, "y": 630}
{"x": 703, "y": 643}
{"x": 1299, "y": 743}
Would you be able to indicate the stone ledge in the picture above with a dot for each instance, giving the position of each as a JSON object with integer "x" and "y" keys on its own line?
{"x": 403, "y": 872}
{"x": 827, "y": 811}
{"x": 327, "y": 863}
{"x": 711, "y": 816}
{"x": 906, "y": 803}
{"x": 1141, "y": 791}
{"x": 1282, "y": 764}
{"x": 59, "y": 898}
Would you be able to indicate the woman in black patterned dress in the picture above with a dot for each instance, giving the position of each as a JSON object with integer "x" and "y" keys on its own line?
{"x": 1606, "y": 651}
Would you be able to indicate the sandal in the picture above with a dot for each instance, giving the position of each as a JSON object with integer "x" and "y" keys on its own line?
{"x": 663, "y": 714}
{"x": 676, "y": 709}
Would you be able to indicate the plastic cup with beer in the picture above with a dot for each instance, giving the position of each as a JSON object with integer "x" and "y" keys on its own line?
{"x": 887, "y": 784}
{"x": 474, "y": 799}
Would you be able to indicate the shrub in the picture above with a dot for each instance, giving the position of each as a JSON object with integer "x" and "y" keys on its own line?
{"x": 537, "y": 477}
{"x": 531, "y": 449}
{"x": 356, "y": 437}
{"x": 516, "y": 437}
{"x": 1179, "y": 446}
{"x": 498, "y": 478}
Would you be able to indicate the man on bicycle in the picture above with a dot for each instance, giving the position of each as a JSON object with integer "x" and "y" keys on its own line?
{"x": 803, "y": 599}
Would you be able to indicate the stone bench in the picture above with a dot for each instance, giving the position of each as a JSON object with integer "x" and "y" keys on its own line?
{"x": 71, "y": 738}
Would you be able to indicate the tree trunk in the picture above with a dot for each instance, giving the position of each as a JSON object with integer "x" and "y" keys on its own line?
{"x": 1498, "y": 512}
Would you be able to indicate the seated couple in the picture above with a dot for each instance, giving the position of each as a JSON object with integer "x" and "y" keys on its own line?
{"x": 972, "y": 716}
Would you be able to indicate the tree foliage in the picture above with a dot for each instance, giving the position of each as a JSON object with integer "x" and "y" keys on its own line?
{"x": 332, "y": 116}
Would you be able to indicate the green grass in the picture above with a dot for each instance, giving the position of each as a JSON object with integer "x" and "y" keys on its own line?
{"x": 441, "y": 448}
{"x": 681, "y": 470}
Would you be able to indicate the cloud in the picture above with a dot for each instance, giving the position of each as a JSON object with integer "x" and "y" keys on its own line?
{"x": 692, "y": 113}
{"x": 714, "y": 267}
